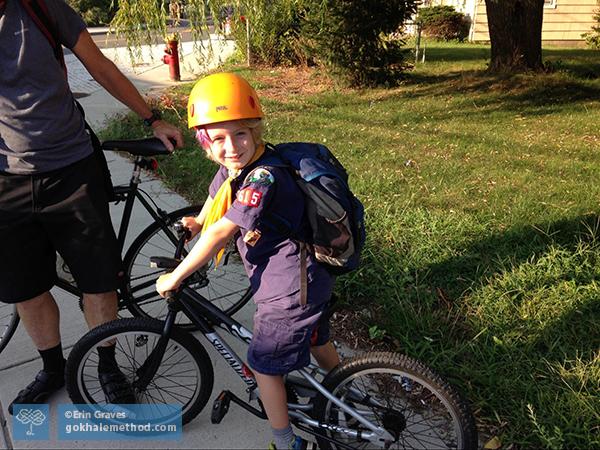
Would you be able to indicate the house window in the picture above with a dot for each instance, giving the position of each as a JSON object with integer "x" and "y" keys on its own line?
{"x": 550, "y": 3}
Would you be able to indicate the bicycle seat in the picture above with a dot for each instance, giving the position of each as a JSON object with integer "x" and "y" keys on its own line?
{"x": 139, "y": 147}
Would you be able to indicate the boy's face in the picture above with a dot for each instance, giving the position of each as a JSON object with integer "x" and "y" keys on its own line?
{"x": 232, "y": 144}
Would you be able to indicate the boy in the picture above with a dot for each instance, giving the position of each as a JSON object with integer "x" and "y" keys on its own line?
{"x": 227, "y": 116}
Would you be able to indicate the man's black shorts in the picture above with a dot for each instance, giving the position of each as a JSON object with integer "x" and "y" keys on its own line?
{"x": 64, "y": 211}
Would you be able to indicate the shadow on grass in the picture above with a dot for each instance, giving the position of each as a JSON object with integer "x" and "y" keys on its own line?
{"x": 481, "y": 259}
{"x": 526, "y": 94}
{"x": 455, "y": 53}
{"x": 569, "y": 80}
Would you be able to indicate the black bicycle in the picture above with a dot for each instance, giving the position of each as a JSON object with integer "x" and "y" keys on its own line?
{"x": 375, "y": 400}
{"x": 227, "y": 287}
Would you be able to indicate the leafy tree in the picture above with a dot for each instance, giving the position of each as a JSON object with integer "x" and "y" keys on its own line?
{"x": 353, "y": 38}
{"x": 515, "y": 28}
{"x": 94, "y": 12}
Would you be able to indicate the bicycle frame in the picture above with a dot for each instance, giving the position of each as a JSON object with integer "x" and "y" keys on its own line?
{"x": 206, "y": 317}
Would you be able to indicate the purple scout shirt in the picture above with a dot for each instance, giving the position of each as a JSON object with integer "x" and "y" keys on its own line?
{"x": 272, "y": 261}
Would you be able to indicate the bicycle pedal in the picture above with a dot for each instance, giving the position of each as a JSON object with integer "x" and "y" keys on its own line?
{"x": 220, "y": 407}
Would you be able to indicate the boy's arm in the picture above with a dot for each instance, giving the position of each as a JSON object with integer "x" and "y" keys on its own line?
{"x": 207, "y": 205}
{"x": 104, "y": 71}
{"x": 194, "y": 224}
{"x": 210, "y": 242}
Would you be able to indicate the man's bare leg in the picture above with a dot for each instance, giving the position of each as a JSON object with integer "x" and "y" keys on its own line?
{"x": 100, "y": 308}
{"x": 41, "y": 319}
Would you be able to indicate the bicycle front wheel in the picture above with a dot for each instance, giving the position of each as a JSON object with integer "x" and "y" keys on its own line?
{"x": 227, "y": 287}
{"x": 9, "y": 320}
{"x": 185, "y": 376}
{"x": 414, "y": 404}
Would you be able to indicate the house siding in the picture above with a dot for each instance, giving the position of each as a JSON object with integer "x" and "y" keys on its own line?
{"x": 563, "y": 24}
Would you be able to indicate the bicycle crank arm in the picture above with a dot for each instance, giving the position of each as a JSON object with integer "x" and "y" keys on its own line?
{"x": 221, "y": 406}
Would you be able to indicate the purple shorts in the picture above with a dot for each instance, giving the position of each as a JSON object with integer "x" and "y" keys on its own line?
{"x": 283, "y": 334}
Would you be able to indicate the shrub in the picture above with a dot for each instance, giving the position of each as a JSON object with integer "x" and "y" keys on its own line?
{"x": 592, "y": 38}
{"x": 353, "y": 38}
{"x": 94, "y": 12}
{"x": 444, "y": 23}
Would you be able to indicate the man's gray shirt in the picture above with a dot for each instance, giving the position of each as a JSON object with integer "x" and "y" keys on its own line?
{"x": 41, "y": 129}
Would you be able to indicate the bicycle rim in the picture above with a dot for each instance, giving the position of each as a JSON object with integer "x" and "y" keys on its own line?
{"x": 9, "y": 320}
{"x": 411, "y": 403}
{"x": 178, "y": 380}
{"x": 227, "y": 287}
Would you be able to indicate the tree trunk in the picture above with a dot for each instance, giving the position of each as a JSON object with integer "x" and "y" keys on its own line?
{"x": 515, "y": 28}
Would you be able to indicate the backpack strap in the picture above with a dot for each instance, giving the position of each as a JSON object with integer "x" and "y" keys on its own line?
{"x": 281, "y": 226}
{"x": 38, "y": 11}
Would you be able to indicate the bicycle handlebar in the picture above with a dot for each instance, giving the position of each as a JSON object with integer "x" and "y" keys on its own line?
{"x": 139, "y": 147}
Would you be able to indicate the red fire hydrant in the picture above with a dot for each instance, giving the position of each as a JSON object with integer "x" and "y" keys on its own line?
{"x": 171, "y": 58}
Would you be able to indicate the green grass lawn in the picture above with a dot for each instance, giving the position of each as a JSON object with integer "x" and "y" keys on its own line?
{"x": 482, "y": 197}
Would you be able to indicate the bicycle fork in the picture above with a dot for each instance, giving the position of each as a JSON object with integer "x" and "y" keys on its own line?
{"x": 147, "y": 371}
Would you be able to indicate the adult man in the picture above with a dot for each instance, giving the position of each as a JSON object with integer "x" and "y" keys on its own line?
{"x": 52, "y": 195}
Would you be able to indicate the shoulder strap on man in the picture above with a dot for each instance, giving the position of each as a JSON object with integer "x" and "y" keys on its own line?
{"x": 38, "y": 11}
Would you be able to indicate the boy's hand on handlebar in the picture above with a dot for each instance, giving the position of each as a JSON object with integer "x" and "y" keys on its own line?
{"x": 168, "y": 133}
{"x": 165, "y": 283}
{"x": 191, "y": 224}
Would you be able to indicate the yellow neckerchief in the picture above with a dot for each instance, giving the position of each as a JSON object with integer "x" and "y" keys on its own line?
{"x": 222, "y": 200}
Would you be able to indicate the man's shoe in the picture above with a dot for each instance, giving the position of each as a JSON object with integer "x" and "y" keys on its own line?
{"x": 40, "y": 389}
{"x": 116, "y": 388}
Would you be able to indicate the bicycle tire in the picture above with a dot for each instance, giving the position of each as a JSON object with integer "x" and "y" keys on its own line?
{"x": 424, "y": 399}
{"x": 132, "y": 337}
{"x": 9, "y": 321}
{"x": 227, "y": 287}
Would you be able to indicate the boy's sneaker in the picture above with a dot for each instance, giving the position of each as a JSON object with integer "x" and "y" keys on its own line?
{"x": 296, "y": 444}
{"x": 45, "y": 384}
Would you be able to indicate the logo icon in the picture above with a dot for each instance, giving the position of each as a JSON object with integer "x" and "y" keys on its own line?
{"x": 31, "y": 422}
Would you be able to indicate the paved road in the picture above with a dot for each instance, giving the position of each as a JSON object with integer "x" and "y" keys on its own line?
{"x": 103, "y": 39}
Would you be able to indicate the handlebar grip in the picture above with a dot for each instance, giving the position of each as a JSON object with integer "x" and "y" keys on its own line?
{"x": 184, "y": 234}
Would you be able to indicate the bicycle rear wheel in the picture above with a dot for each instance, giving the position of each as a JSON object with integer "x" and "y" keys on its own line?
{"x": 9, "y": 320}
{"x": 185, "y": 376}
{"x": 227, "y": 287}
{"x": 409, "y": 400}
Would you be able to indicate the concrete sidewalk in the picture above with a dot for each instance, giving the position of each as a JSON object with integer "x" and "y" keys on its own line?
{"x": 20, "y": 362}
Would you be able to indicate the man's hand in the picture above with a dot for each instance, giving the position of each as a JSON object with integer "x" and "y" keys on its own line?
{"x": 165, "y": 131}
{"x": 165, "y": 283}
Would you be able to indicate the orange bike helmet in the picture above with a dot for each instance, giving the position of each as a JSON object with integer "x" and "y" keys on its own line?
{"x": 222, "y": 97}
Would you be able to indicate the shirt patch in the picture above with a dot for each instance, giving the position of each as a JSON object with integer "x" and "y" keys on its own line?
{"x": 249, "y": 197}
{"x": 252, "y": 237}
{"x": 261, "y": 176}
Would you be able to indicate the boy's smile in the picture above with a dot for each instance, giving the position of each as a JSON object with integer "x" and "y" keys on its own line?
{"x": 232, "y": 144}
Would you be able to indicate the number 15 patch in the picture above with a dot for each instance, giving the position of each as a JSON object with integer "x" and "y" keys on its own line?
{"x": 249, "y": 197}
